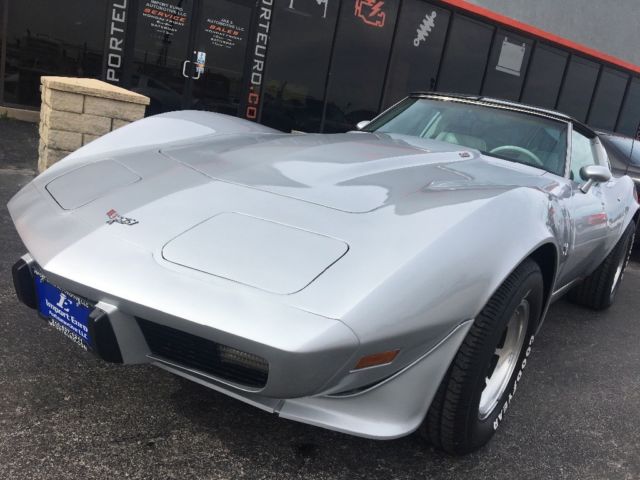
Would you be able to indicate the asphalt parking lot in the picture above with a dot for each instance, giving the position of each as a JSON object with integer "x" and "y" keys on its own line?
{"x": 64, "y": 414}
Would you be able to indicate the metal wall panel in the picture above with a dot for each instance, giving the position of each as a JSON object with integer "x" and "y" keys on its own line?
{"x": 608, "y": 99}
{"x": 578, "y": 88}
{"x": 544, "y": 78}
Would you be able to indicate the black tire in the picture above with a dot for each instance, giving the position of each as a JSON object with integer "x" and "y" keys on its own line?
{"x": 454, "y": 422}
{"x": 598, "y": 290}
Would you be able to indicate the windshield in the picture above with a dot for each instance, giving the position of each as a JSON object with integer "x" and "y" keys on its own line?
{"x": 505, "y": 134}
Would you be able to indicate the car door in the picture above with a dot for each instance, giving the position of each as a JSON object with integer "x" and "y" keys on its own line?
{"x": 614, "y": 193}
{"x": 589, "y": 215}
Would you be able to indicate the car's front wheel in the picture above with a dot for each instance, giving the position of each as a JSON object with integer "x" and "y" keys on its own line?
{"x": 476, "y": 392}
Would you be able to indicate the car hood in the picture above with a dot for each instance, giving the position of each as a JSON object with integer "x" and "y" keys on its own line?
{"x": 353, "y": 172}
{"x": 272, "y": 212}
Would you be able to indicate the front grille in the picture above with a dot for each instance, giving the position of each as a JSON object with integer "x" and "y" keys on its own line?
{"x": 205, "y": 355}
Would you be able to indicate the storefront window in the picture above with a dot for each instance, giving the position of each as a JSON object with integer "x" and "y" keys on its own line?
{"x": 417, "y": 49}
{"x": 160, "y": 49}
{"x": 298, "y": 62}
{"x": 223, "y": 36}
{"x": 65, "y": 37}
{"x": 466, "y": 55}
{"x": 544, "y": 77}
{"x": 359, "y": 64}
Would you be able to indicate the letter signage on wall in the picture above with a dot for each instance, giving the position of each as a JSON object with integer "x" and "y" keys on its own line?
{"x": 258, "y": 58}
{"x": 116, "y": 36}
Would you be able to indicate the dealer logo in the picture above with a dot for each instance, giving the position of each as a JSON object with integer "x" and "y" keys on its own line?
{"x": 115, "y": 217}
{"x": 63, "y": 302}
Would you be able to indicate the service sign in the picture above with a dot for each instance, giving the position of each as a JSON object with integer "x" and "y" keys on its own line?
{"x": 165, "y": 18}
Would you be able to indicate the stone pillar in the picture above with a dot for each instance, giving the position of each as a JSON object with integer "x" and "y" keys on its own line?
{"x": 76, "y": 111}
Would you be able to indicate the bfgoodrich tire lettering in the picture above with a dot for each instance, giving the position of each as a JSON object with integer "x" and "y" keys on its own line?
{"x": 460, "y": 420}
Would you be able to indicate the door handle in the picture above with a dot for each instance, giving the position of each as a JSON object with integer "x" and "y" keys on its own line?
{"x": 184, "y": 71}
{"x": 184, "y": 68}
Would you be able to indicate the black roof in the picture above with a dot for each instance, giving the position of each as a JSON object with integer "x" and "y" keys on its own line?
{"x": 516, "y": 106}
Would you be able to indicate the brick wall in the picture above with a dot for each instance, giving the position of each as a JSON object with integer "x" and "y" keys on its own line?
{"x": 76, "y": 111}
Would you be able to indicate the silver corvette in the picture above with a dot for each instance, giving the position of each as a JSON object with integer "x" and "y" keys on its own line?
{"x": 377, "y": 282}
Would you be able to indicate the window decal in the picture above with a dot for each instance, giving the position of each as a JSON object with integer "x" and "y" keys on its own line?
{"x": 425, "y": 28}
{"x": 370, "y": 12}
{"x": 511, "y": 57}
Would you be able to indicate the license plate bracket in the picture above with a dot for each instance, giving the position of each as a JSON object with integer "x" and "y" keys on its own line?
{"x": 65, "y": 311}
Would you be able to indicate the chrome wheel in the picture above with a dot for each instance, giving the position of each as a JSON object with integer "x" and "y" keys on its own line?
{"x": 505, "y": 359}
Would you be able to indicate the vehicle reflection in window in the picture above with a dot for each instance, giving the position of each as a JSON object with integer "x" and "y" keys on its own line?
{"x": 296, "y": 72}
{"x": 518, "y": 137}
{"x": 38, "y": 43}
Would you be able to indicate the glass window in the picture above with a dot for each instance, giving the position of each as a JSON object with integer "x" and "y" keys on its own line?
{"x": 64, "y": 37}
{"x": 608, "y": 99}
{"x": 465, "y": 57}
{"x": 417, "y": 49}
{"x": 514, "y": 136}
{"x": 223, "y": 35}
{"x": 544, "y": 77}
{"x": 581, "y": 155}
{"x": 296, "y": 73}
{"x": 630, "y": 115}
{"x": 360, "y": 58}
{"x": 507, "y": 66}
{"x": 161, "y": 45}
{"x": 578, "y": 87}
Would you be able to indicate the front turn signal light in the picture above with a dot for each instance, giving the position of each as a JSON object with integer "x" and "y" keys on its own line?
{"x": 376, "y": 359}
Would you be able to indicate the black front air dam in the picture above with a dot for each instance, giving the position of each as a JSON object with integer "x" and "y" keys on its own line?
{"x": 24, "y": 284}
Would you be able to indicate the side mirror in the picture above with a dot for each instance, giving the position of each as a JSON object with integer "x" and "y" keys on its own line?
{"x": 362, "y": 124}
{"x": 594, "y": 174}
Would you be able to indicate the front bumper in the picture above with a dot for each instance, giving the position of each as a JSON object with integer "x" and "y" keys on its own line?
{"x": 390, "y": 408}
{"x": 304, "y": 352}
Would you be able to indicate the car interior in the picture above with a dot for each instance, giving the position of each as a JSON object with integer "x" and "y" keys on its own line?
{"x": 515, "y": 136}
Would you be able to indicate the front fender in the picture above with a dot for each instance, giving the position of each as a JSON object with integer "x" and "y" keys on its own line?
{"x": 452, "y": 278}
